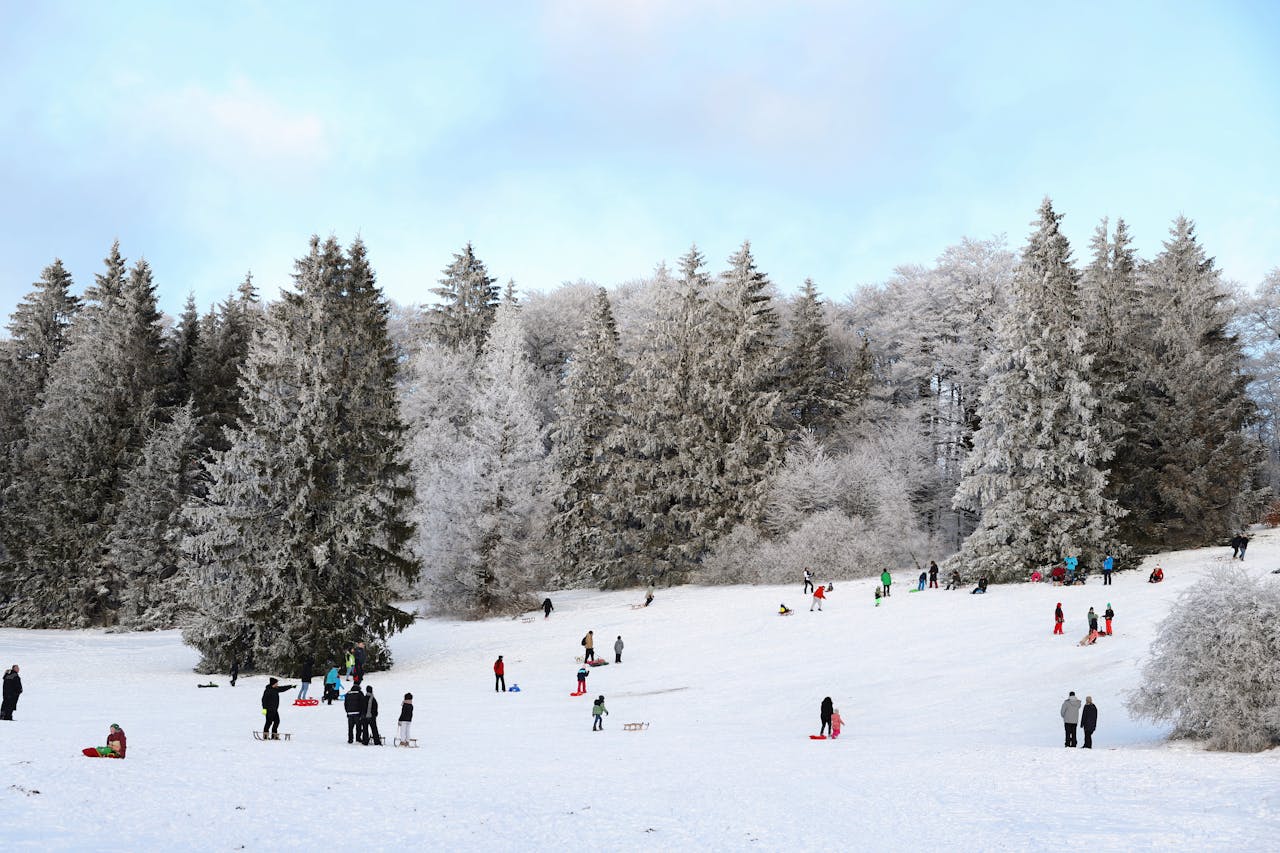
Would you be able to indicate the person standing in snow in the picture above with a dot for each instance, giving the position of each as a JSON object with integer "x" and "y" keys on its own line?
{"x": 836, "y": 723}
{"x": 1089, "y": 721}
{"x": 406, "y": 717}
{"x": 499, "y": 676}
{"x": 617, "y": 650}
{"x": 307, "y": 666}
{"x": 583, "y": 672}
{"x": 235, "y": 670}
{"x": 1108, "y": 614}
{"x": 933, "y": 575}
{"x": 271, "y": 704}
{"x": 11, "y": 691}
{"x": 808, "y": 580}
{"x": 354, "y": 706}
{"x": 886, "y": 580}
{"x": 332, "y": 685}
{"x": 360, "y": 658}
{"x": 1071, "y": 563}
{"x": 350, "y": 662}
{"x": 824, "y": 714}
{"x": 1093, "y": 621}
{"x": 924, "y": 577}
{"x": 1058, "y": 619}
{"x": 599, "y": 712}
{"x": 1070, "y": 717}
{"x": 1108, "y": 563}
{"x": 589, "y": 642}
{"x": 1244, "y": 543}
{"x": 1235, "y": 546}
{"x": 877, "y": 596}
{"x": 546, "y": 608}
{"x": 648, "y": 596}
{"x": 370, "y": 718}
{"x": 819, "y": 593}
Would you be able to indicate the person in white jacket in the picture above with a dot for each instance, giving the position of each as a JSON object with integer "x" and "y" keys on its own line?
{"x": 1071, "y": 717}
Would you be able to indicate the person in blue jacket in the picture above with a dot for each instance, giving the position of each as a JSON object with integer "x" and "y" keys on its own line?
{"x": 1108, "y": 564}
{"x": 332, "y": 685}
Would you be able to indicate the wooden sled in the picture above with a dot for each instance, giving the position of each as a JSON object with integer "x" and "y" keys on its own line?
{"x": 257, "y": 735}
{"x": 634, "y": 727}
{"x": 411, "y": 743}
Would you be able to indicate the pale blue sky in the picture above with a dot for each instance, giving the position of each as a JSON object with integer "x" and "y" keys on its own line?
{"x": 592, "y": 140}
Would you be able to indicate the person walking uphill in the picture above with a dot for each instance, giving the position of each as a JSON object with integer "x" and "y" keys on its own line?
{"x": 354, "y": 706}
{"x": 271, "y": 704}
{"x": 886, "y": 580}
{"x": 617, "y": 650}
{"x": 370, "y": 718}
{"x": 599, "y": 712}
{"x": 1089, "y": 721}
{"x": 499, "y": 676}
{"x": 824, "y": 714}
{"x": 11, "y": 691}
{"x": 1058, "y": 619}
{"x": 1070, "y": 717}
{"x": 589, "y": 642}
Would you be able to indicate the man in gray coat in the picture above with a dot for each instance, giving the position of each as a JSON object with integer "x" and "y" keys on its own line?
{"x": 1071, "y": 717}
{"x": 617, "y": 650}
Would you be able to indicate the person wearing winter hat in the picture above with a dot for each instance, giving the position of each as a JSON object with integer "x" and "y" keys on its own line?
{"x": 1070, "y": 717}
{"x": 1108, "y": 615}
{"x": 406, "y": 717}
{"x": 1089, "y": 721}
{"x": 617, "y": 650}
{"x": 271, "y": 704}
{"x": 11, "y": 691}
{"x": 371, "y": 718}
{"x": 1058, "y": 619}
{"x": 599, "y": 712}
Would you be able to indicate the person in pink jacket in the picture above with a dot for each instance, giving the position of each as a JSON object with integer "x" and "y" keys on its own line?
{"x": 836, "y": 723}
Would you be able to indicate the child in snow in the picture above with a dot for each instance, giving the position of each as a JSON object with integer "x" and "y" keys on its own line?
{"x": 1036, "y": 577}
{"x": 599, "y": 712}
{"x": 784, "y": 610}
{"x": 582, "y": 678}
{"x": 954, "y": 583}
{"x": 819, "y": 594}
{"x": 981, "y": 588}
{"x": 1093, "y": 620}
{"x": 116, "y": 743}
{"x": 877, "y": 596}
{"x": 1157, "y": 575}
{"x": 924, "y": 578}
{"x": 1090, "y": 638}
{"x": 406, "y": 717}
{"x": 332, "y": 685}
{"x": 836, "y": 723}
{"x": 1108, "y": 615}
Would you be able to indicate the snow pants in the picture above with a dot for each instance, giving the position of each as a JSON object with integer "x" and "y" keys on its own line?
{"x": 1071, "y": 734}
{"x": 353, "y": 727}
{"x": 1057, "y": 627}
{"x": 404, "y": 731}
{"x": 1088, "y": 738}
{"x": 499, "y": 683}
{"x": 272, "y": 722}
{"x": 1106, "y": 578}
{"x": 921, "y": 587}
{"x": 590, "y": 655}
{"x": 933, "y": 583}
{"x": 886, "y": 590}
{"x": 1108, "y": 627}
{"x": 816, "y": 601}
{"x": 617, "y": 657}
{"x": 582, "y": 685}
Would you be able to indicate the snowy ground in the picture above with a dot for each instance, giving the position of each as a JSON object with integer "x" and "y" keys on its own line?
{"x": 952, "y": 739}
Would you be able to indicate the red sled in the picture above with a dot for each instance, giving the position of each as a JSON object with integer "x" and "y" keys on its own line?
{"x": 306, "y": 703}
{"x": 817, "y": 737}
{"x": 92, "y": 752}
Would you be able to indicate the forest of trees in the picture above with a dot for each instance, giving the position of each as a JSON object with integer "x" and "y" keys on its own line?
{"x": 272, "y": 477}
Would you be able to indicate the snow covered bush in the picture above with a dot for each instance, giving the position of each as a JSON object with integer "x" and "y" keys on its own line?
{"x": 1214, "y": 670}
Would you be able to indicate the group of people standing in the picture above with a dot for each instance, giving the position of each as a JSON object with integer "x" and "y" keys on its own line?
{"x": 1074, "y": 715}
{"x": 1059, "y": 619}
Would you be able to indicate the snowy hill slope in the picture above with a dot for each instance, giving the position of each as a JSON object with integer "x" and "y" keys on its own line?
{"x": 950, "y": 701}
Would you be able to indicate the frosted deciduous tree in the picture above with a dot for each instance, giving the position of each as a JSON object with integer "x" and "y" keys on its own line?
{"x": 1214, "y": 668}
{"x": 1034, "y": 473}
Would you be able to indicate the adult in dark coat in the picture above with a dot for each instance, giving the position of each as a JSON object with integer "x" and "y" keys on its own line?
{"x": 371, "y": 718}
{"x": 933, "y": 575}
{"x": 271, "y": 704}
{"x": 824, "y": 713}
{"x": 1088, "y": 721}
{"x": 546, "y": 608}
{"x": 12, "y": 690}
{"x": 354, "y": 706}
{"x": 307, "y": 666}
{"x": 360, "y": 659}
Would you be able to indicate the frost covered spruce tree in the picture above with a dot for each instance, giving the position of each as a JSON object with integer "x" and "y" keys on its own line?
{"x": 1034, "y": 473}
{"x": 296, "y": 546}
{"x": 592, "y": 509}
{"x": 222, "y": 347}
{"x": 1214, "y": 669}
{"x": 80, "y": 440}
{"x": 818, "y": 391}
{"x": 507, "y": 483}
{"x": 1204, "y": 461}
{"x": 467, "y": 304}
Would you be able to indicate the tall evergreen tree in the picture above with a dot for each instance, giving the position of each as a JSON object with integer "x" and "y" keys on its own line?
{"x": 1204, "y": 462}
{"x": 817, "y": 390}
{"x": 301, "y": 535}
{"x": 468, "y": 299}
{"x": 590, "y": 511}
{"x": 222, "y": 349}
{"x": 182, "y": 349}
{"x": 1034, "y": 473}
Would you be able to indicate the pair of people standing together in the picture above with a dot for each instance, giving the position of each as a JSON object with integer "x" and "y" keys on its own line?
{"x": 1074, "y": 715}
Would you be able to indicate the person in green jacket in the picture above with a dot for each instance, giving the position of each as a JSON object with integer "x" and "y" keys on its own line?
{"x": 886, "y": 580}
{"x": 351, "y": 663}
{"x": 599, "y": 712}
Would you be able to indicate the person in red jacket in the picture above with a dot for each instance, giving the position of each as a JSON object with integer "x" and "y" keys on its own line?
{"x": 116, "y": 740}
{"x": 819, "y": 594}
{"x": 499, "y": 676}
{"x": 1058, "y": 619}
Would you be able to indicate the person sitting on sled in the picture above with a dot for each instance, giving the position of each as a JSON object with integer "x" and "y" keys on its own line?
{"x": 116, "y": 744}
{"x": 1157, "y": 575}
{"x": 1090, "y": 638}
{"x": 783, "y": 610}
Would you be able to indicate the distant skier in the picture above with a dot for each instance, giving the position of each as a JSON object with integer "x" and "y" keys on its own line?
{"x": 954, "y": 582}
{"x": 271, "y": 704}
{"x": 307, "y": 666}
{"x": 808, "y": 580}
{"x": 617, "y": 650}
{"x": 354, "y": 706}
{"x": 599, "y": 712}
{"x": 1070, "y": 717}
{"x": 332, "y": 685}
{"x": 933, "y": 575}
{"x": 1093, "y": 620}
{"x": 1058, "y": 619}
{"x": 589, "y": 642}
{"x": 1244, "y": 543}
{"x": 824, "y": 715}
{"x": 1108, "y": 615}
{"x": 836, "y": 723}
{"x": 1089, "y": 721}
{"x": 886, "y": 580}
{"x": 406, "y": 717}
{"x": 924, "y": 578}
{"x": 1108, "y": 563}
{"x": 819, "y": 594}
{"x": 370, "y": 718}
{"x": 583, "y": 672}
{"x": 546, "y": 608}
{"x": 11, "y": 691}
{"x": 499, "y": 676}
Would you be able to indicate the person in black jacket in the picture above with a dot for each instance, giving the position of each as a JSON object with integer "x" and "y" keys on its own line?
{"x": 824, "y": 714}
{"x": 406, "y": 717}
{"x": 546, "y": 608}
{"x": 354, "y": 706}
{"x": 360, "y": 659}
{"x": 271, "y": 704}
{"x": 933, "y": 575}
{"x": 371, "y": 719}
{"x": 1089, "y": 721}
{"x": 12, "y": 690}
{"x": 307, "y": 666}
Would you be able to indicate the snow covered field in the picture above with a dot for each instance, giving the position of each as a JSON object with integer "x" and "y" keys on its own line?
{"x": 950, "y": 701}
